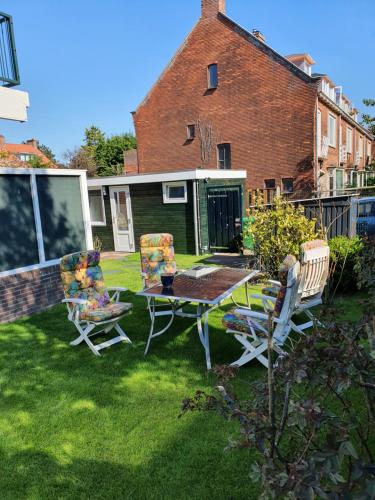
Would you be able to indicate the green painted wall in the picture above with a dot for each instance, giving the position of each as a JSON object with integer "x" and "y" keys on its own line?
{"x": 203, "y": 212}
{"x": 151, "y": 215}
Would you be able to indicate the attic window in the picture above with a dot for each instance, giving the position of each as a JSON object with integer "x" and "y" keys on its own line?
{"x": 190, "y": 129}
{"x": 212, "y": 76}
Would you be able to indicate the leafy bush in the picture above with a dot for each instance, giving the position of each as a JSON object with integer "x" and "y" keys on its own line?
{"x": 278, "y": 231}
{"x": 311, "y": 419}
{"x": 344, "y": 255}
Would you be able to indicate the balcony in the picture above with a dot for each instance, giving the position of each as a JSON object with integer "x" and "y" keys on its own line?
{"x": 323, "y": 147}
{"x": 9, "y": 75}
{"x": 357, "y": 158}
{"x": 342, "y": 154}
{"x": 13, "y": 103}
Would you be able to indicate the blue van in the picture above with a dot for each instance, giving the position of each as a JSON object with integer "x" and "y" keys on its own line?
{"x": 366, "y": 216}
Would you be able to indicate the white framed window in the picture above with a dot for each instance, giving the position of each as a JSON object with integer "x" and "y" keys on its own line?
{"x": 25, "y": 156}
{"x": 349, "y": 140}
{"x": 97, "y": 209}
{"x": 360, "y": 147}
{"x": 319, "y": 133}
{"x": 175, "y": 192}
{"x": 332, "y": 130}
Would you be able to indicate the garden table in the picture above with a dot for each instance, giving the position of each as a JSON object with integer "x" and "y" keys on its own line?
{"x": 205, "y": 293}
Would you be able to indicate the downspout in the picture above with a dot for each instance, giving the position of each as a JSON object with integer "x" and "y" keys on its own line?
{"x": 196, "y": 219}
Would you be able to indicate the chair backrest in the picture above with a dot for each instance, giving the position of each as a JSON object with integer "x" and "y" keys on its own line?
{"x": 314, "y": 258}
{"x": 82, "y": 278}
{"x": 289, "y": 277}
{"x": 157, "y": 257}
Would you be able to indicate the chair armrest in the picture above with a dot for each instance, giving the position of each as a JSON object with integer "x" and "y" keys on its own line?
{"x": 117, "y": 289}
{"x": 274, "y": 282}
{"x": 251, "y": 314}
{"x": 263, "y": 297}
{"x": 81, "y": 302}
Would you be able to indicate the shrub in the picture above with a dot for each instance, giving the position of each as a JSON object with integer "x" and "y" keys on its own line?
{"x": 311, "y": 419}
{"x": 279, "y": 231}
{"x": 344, "y": 255}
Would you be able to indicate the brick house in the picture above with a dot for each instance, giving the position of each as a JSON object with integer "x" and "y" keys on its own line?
{"x": 228, "y": 100}
{"x": 18, "y": 155}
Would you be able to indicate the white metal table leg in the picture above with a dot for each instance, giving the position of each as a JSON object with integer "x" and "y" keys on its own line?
{"x": 204, "y": 332}
{"x": 153, "y": 315}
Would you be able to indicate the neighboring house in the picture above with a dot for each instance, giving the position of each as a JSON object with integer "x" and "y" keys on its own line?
{"x": 130, "y": 162}
{"x": 229, "y": 101}
{"x": 18, "y": 155}
{"x": 13, "y": 103}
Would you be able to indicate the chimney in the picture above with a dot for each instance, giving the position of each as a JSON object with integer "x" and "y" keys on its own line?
{"x": 259, "y": 36}
{"x": 2, "y": 140}
{"x": 211, "y": 8}
{"x": 33, "y": 142}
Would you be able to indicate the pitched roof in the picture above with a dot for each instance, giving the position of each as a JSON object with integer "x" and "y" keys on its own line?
{"x": 9, "y": 155}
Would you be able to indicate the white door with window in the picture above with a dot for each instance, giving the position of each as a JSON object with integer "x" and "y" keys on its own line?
{"x": 122, "y": 221}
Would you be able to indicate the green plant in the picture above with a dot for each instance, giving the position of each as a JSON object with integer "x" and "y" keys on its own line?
{"x": 311, "y": 439}
{"x": 344, "y": 254}
{"x": 277, "y": 231}
{"x": 38, "y": 162}
{"x": 98, "y": 244}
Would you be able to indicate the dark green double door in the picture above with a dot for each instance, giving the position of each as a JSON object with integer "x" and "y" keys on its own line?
{"x": 224, "y": 216}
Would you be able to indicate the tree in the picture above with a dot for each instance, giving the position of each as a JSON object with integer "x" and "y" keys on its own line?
{"x": 47, "y": 152}
{"x": 38, "y": 162}
{"x": 93, "y": 136}
{"x": 81, "y": 159}
{"x": 207, "y": 137}
{"x": 109, "y": 154}
{"x": 367, "y": 120}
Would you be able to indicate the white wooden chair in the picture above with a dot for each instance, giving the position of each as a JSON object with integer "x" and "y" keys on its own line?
{"x": 250, "y": 328}
{"x": 88, "y": 301}
{"x": 314, "y": 259}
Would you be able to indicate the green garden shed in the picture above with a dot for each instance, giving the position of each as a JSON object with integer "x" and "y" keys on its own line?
{"x": 203, "y": 209}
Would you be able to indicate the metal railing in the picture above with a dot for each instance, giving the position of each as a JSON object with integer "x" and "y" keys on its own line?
{"x": 9, "y": 74}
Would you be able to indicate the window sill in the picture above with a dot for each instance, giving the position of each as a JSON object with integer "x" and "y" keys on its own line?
{"x": 102, "y": 224}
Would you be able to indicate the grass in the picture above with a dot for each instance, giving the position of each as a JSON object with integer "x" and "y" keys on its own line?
{"x": 76, "y": 426}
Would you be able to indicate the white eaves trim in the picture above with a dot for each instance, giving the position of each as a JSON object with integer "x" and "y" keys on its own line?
{"x": 186, "y": 175}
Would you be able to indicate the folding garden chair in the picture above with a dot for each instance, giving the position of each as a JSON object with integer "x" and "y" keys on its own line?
{"x": 157, "y": 258}
{"x": 250, "y": 328}
{"x": 314, "y": 259}
{"x": 88, "y": 301}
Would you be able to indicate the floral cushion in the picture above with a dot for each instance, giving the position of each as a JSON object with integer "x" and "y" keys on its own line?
{"x": 112, "y": 310}
{"x": 241, "y": 323}
{"x": 157, "y": 256}
{"x": 284, "y": 269}
{"x": 82, "y": 278}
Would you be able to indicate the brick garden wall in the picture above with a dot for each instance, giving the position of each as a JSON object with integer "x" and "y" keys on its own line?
{"x": 29, "y": 292}
{"x": 264, "y": 108}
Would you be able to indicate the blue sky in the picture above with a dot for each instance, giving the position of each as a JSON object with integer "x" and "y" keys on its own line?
{"x": 89, "y": 62}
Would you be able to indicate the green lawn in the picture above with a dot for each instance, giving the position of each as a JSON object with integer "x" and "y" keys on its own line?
{"x": 76, "y": 426}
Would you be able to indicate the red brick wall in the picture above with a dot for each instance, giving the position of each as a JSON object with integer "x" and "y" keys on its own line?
{"x": 29, "y": 292}
{"x": 261, "y": 107}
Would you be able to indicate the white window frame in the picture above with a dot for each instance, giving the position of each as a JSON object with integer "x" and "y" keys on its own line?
{"x": 167, "y": 185}
{"x": 332, "y": 143}
{"x": 104, "y": 221}
{"x": 349, "y": 140}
